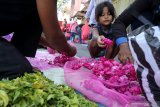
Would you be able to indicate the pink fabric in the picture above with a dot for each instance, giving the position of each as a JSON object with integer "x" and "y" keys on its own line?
{"x": 86, "y": 82}
{"x": 43, "y": 60}
{"x": 8, "y": 37}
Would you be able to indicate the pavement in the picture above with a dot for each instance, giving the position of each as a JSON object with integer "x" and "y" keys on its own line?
{"x": 82, "y": 50}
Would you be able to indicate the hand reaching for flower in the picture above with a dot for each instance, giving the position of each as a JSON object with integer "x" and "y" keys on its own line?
{"x": 100, "y": 41}
{"x": 108, "y": 42}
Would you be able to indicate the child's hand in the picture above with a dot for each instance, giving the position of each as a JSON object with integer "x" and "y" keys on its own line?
{"x": 108, "y": 43}
{"x": 100, "y": 42}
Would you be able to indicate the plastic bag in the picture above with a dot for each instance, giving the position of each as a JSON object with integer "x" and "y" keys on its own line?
{"x": 67, "y": 34}
{"x": 85, "y": 31}
{"x": 144, "y": 44}
{"x": 88, "y": 84}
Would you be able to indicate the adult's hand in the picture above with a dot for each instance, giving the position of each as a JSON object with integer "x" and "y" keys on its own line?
{"x": 124, "y": 54}
{"x": 73, "y": 49}
{"x": 47, "y": 10}
{"x": 62, "y": 47}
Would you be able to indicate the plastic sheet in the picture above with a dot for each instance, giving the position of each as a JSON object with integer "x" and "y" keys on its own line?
{"x": 84, "y": 81}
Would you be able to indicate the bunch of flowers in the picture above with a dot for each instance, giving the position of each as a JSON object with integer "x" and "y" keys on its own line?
{"x": 62, "y": 59}
{"x": 108, "y": 42}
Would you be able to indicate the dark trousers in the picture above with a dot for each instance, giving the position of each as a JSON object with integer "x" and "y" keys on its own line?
{"x": 12, "y": 63}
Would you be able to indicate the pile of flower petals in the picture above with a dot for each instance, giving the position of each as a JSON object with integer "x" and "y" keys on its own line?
{"x": 61, "y": 60}
{"x": 112, "y": 74}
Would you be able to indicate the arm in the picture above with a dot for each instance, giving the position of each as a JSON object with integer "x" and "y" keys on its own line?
{"x": 122, "y": 22}
{"x": 126, "y": 17}
{"x": 95, "y": 33}
{"x": 90, "y": 8}
{"x": 47, "y": 10}
{"x": 98, "y": 38}
{"x": 43, "y": 41}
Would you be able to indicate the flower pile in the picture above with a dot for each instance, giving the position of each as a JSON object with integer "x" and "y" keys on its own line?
{"x": 112, "y": 74}
{"x": 61, "y": 60}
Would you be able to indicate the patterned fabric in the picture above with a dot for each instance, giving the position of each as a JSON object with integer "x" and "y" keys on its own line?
{"x": 145, "y": 47}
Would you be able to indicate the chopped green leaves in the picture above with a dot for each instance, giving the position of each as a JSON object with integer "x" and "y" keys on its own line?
{"x": 35, "y": 90}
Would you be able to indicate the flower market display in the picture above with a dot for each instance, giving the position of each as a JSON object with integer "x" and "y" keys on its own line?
{"x": 104, "y": 81}
{"x": 114, "y": 75}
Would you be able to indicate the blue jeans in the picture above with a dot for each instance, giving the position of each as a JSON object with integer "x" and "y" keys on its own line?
{"x": 73, "y": 34}
{"x": 80, "y": 38}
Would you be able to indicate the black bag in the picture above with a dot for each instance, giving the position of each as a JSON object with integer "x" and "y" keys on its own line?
{"x": 12, "y": 63}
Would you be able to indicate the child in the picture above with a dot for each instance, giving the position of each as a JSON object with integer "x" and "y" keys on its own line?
{"x": 73, "y": 30}
{"x": 104, "y": 15}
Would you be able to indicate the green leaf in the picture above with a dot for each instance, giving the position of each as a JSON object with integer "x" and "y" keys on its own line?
{"x": 3, "y": 98}
{"x": 17, "y": 94}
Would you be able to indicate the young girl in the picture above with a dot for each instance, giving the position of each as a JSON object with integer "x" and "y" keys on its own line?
{"x": 104, "y": 15}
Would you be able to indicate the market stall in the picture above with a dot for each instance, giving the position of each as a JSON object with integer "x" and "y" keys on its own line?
{"x": 108, "y": 87}
{"x": 105, "y": 82}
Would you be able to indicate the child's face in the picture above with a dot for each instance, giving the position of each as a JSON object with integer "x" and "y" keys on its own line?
{"x": 106, "y": 17}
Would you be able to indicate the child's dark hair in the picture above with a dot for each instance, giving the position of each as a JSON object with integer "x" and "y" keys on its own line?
{"x": 99, "y": 10}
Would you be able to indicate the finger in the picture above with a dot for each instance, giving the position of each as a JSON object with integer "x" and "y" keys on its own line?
{"x": 102, "y": 36}
{"x": 120, "y": 58}
{"x": 123, "y": 59}
{"x": 102, "y": 45}
{"x": 130, "y": 58}
{"x": 100, "y": 41}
